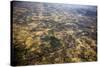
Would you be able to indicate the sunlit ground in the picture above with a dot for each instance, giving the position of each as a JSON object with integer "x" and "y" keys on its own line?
{"x": 46, "y": 33}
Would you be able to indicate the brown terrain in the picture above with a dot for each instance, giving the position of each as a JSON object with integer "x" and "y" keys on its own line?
{"x": 49, "y": 33}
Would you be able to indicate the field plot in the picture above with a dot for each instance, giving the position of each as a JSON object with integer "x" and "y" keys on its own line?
{"x": 50, "y": 33}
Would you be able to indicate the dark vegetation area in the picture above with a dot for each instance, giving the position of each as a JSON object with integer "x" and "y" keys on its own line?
{"x": 48, "y": 33}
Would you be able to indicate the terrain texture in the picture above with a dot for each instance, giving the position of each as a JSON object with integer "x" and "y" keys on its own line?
{"x": 49, "y": 33}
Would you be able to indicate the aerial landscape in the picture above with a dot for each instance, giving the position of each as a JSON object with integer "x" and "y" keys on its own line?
{"x": 52, "y": 33}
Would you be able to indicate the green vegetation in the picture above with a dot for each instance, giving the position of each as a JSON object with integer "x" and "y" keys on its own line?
{"x": 50, "y": 34}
